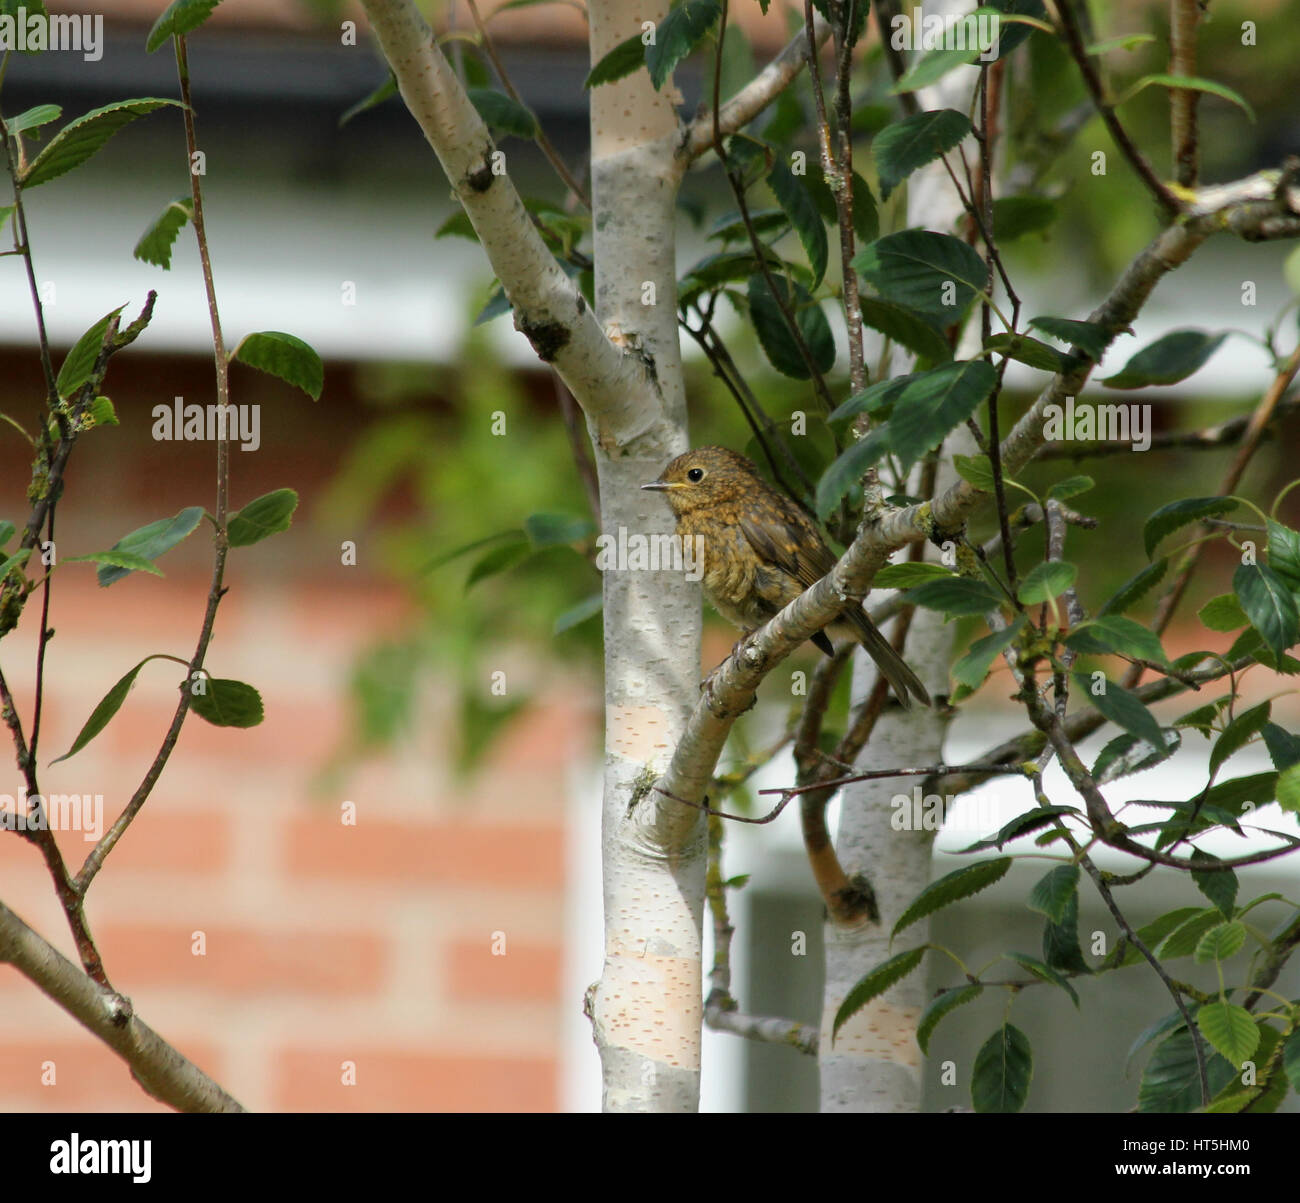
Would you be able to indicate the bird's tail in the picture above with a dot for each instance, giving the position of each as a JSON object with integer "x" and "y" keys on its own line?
{"x": 892, "y": 666}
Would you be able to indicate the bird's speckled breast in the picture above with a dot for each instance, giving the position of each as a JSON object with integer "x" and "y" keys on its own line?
{"x": 744, "y": 590}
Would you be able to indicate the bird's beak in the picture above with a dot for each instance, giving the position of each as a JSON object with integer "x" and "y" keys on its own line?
{"x": 660, "y": 486}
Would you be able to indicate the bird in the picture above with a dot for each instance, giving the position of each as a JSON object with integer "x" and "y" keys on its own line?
{"x": 761, "y": 550}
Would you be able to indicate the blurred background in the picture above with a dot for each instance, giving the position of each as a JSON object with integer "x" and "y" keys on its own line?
{"x": 477, "y": 795}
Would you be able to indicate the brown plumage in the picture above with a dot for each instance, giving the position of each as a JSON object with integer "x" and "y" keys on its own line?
{"x": 760, "y": 551}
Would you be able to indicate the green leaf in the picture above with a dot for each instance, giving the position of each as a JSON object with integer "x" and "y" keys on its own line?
{"x": 1191, "y": 83}
{"x": 1284, "y": 553}
{"x": 179, "y": 18}
{"x": 948, "y": 1001}
{"x": 498, "y": 560}
{"x": 1127, "y": 42}
{"x": 155, "y": 245}
{"x": 226, "y": 703}
{"x": 1171, "y": 1082}
{"x": 502, "y": 113}
{"x": 875, "y": 398}
{"x": 958, "y": 596}
{"x": 1045, "y": 973}
{"x": 34, "y": 118}
{"x": 975, "y": 470}
{"x": 1047, "y": 580}
{"x": 925, "y": 271}
{"x": 1231, "y": 1029}
{"x": 1223, "y": 613}
{"x": 1177, "y": 514}
{"x": 1258, "y": 789}
{"x": 774, "y": 335}
{"x": 974, "y": 666}
{"x": 626, "y": 57}
{"x": 1002, "y": 1072}
{"x": 1031, "y": 351}
{"x": 1021, "y": 825}
{"x": 108, "y": 706}
{"x": 1291, "y": 1058}
{"x": 1112, "y": 634}
{"x": 1122, "y": 708}
{"x": 378, "y": 96}
{"x": 7, "y": 532}
{"x": 954, "y": 886}
{"x": 259, "y": 519}
{"x": 589, "y": 607}
{"x": 1288, "y": 789}
{"x": 1016, "y": 216}
{"x": 874, "y": 984}
{"x": 799, "y": 208}
{"x": 907, "y": 328}
{"x": 1126, "y": 754}
{"x": 1219, "y": 886}
{"x": 284, "y": 356}
{"x": 1087, "y": 337}
{"x": 1283, "y": 747}
{"x": 515, "y": 536}
{"x": 847, "y": 468}
{"x": 554, "y": 530}
{"x": 909, "y": 144}
{"x": 909, "y": 573}
{"x": 1238, "y": 734}
{"x": 1183, "y": 940}
{"x": 80, "y": 361}
{"x": 1136, "y": 587}
{"x": 497, "y": 304}
{"x": 1167, "y": 360}
{"x": 934, "y": 402}
{"x": 14, "y": 561}
{"x": 151, "y": 541}
{"x": 1061, "y": 940}
{"x": 1071, "y": 486}
{"x": 118, "y": 559}
{"x": 80, "y": 139}
{"x": 1269, "y": 604}
{"x": 1221, "y": 942}
{"x": 866, "y": 220}
{"x": 678, "y": 34}
{"x": 1051, "y": 895}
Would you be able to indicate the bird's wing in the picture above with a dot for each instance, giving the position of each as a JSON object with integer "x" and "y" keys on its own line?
{"x": 796, "y": 548}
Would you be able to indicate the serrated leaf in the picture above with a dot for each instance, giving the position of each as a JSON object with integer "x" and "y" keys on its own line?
{"x": 874, "y": 984}
{"x": 974, "y": 666}
{"x": 847, "y": 468}
{"x": 1223, "y": 613}
{"x": 1045, "y": 973}
{"x": 284, "y": 356}
{"x": 909, "y": 573}
{"x": 117, "y": 559}
{"x": 957, "y": 595}
{"x": 225, "y": 703}
{"x": 151, "y": 541}
{"x": 1047, "y": 580}
{"x": 878, "y": 398}
{"x": 677, "y": 35}
{"x": 1193, "y": 83}
{"x": 1002, "y": 1072}
{"x": 1087, "y": 337}
{"x": 1183, "y": 940}
{"x": 1071, "y": 486}
{"x": 1123, "y": 708}
{"x": 1283, "y": 747}
{"x": 1222, "y": 941}
{"x": 1168, "y": 360}
{"x": 923, "y": 270}
{"x": 1021, "y": 825}
{"x": 1112, "y": 634}
{"x": 261, "y": 518}
{"x": 80, "y": 139}
{"x": 179, "y": 18}
{"x": 80, "y": 361}
{"x": 1052, "y": 893}
{"x": 34, "y": 118}
{"x": 911, "y": 143}
{"x": 1230, "y": 1028}
{"x": 1269, "y": 604}
{"x": 1171, "y": 1082}
{"x": 1126, "y": 754}
{"x": 1177, "y": 514}
{"x": 503, "y": 113}
{"x": 1136, "y": 587}
{"x": 626, "y": 57}
{"x": 1288, "y": 789}
{"x": 975, "y": 470}
{"x": 155, "y": 245}
{"x": 108, "y": 706}
{"x": 1238, "y": 733}
{"x": 948, "y": 1001}
{"x": 934, "y": 402}
{"x": 961, "y": 883}
{"x": 1031, "y": 351}
{"x": 1061, "y": 947}
{"x": 774, "y": 334}
{"x": 794, "y": 199}
{"x": 1284, "y": 553}
{"x": 906, "y": 327}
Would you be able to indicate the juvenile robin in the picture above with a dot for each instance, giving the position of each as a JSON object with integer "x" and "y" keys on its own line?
{"x": 760, "y": 551}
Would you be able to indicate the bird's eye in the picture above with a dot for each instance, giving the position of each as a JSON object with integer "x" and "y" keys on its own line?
{"x": 695, "y": 474}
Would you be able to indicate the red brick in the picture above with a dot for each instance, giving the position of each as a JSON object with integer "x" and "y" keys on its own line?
{"x": 525, "y": 972}
{"x": 310, "y": 1080}
{"x": 243, "y": 961}
{"x": 459, "y": 852}
{"x": 191, "y": 842}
